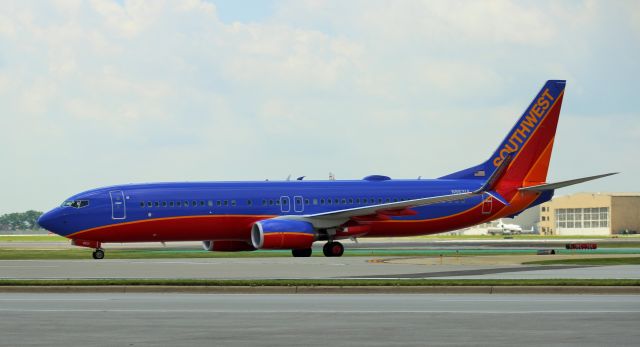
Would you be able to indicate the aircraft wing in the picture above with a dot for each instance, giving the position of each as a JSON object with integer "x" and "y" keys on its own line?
{"x": 337, "y": 217}
{"x": 390, "y": 206}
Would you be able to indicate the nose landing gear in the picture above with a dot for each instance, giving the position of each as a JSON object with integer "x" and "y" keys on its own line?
{"x": 98, "y": 252}
{"x": 333, "y": 249}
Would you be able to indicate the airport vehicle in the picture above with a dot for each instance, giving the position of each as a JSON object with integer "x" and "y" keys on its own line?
{"x": 244, "y": 216}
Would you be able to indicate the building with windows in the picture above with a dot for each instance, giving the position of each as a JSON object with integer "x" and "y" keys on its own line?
{"x": 597, "y": 214}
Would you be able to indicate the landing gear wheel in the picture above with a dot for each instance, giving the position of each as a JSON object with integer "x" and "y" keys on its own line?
{"x": 301, "y": 252}
{"x": 333, "y": 249}
{"x": 98, "y": 254}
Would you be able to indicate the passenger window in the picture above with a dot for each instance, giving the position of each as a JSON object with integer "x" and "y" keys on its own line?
{"x": 321, "y": 201}
{"x": 372, "y": 201}
{"x": 233, "y": 202}
{"x": 142, "y": 204}
{"x": 388, "y": 200}
{"x": 264, "y": 202}
{"x": 164, "y": 204}
{"x": 328, "y": 201}
{"x": 315, "y": 201}
{"x": 170, "y": 203}
{"x": 210, "y": 203}
{"x": 395, "y": 199}
{"x": 186, "y": 203}
{"x": 201, "y": 202}
{"x": 194, "y": 203}
{"x": 270, "y": 202}
{"x": 306, "y": 201}
{"x": 149, "y": 204}
{"x": 336, "y": 201}
{"x": 226, "y": 202}
{"x": 284, "y": 202}
{"x": 350, "y": 200}
{"x": 358, "y": 201}
{"x": 379, "y": 200}
{"x": 249, "y": 202}
{"x": 156, "y": 204}
{"x": 178, "y": 203}
{"x": 219, "y": 203}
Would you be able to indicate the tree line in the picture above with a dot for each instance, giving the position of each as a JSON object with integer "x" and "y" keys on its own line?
{"x": 20, "y": 220}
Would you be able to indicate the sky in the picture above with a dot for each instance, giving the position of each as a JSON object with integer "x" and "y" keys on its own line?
{"x": 102, "y": 92}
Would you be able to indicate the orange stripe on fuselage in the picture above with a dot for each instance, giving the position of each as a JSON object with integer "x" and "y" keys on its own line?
{"x": 276, "y": 233}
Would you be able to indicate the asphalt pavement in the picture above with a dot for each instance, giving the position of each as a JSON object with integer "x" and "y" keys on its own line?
{"x": 290, "y": 268}
{"x": 318, "y": 320}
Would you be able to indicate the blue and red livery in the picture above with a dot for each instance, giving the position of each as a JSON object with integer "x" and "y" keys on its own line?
{"x": 242, "y": 216}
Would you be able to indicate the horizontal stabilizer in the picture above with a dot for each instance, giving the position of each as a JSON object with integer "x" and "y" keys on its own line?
{"x": 552, "y": 186}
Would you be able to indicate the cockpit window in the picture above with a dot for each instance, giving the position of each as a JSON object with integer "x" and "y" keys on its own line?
{"x": 76, "y": 203}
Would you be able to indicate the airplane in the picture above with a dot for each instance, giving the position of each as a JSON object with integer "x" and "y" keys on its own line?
{"x": 292, "y": 215}
{"x": 505, "y": 229}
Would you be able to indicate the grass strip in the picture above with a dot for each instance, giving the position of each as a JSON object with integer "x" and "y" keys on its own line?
{"x": 588, "y": 261}
{"x": 524, "y": 237}
{"x": 322, "y": 282}
{"x": 33, "y": 238}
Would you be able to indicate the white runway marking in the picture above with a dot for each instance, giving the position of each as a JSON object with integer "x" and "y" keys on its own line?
{"x": 30, "y": 266}
{"x": 526, "y": 300}
{"x": 39, "y": 300}
{"x": 317, "y": 311}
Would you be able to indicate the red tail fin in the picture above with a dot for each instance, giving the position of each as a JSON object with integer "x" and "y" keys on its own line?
{"x": 530, "y": 142}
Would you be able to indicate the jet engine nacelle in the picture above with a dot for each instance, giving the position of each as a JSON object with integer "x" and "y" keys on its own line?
{"x": 282, "y": 234}
{"x": 227, "y": 246}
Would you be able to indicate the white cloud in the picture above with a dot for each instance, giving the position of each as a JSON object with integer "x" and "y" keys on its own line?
{"x": 104, "y": 92}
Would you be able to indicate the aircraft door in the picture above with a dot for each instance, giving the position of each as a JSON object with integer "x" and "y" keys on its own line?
{"x": 487, "y": 203}
{"x": 118, "y": 205}
{"x": 285, "y": 204}
{"x": 298, "y": 203}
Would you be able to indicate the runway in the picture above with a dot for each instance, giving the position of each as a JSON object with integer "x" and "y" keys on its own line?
{"x": 318, "y": 320}
{"x": 291, "y": 268}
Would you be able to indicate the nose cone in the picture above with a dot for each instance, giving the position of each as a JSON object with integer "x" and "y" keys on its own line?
{"x": 51, "y": 221}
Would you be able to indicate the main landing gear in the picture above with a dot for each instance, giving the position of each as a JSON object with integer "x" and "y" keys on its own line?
{"x": 98, "y": 253}
{"x": 333, "y": 249}
{"x": 330, "y": 249}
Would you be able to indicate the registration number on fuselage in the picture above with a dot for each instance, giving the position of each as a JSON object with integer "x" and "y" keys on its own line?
{"x": 459, "y": 191}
